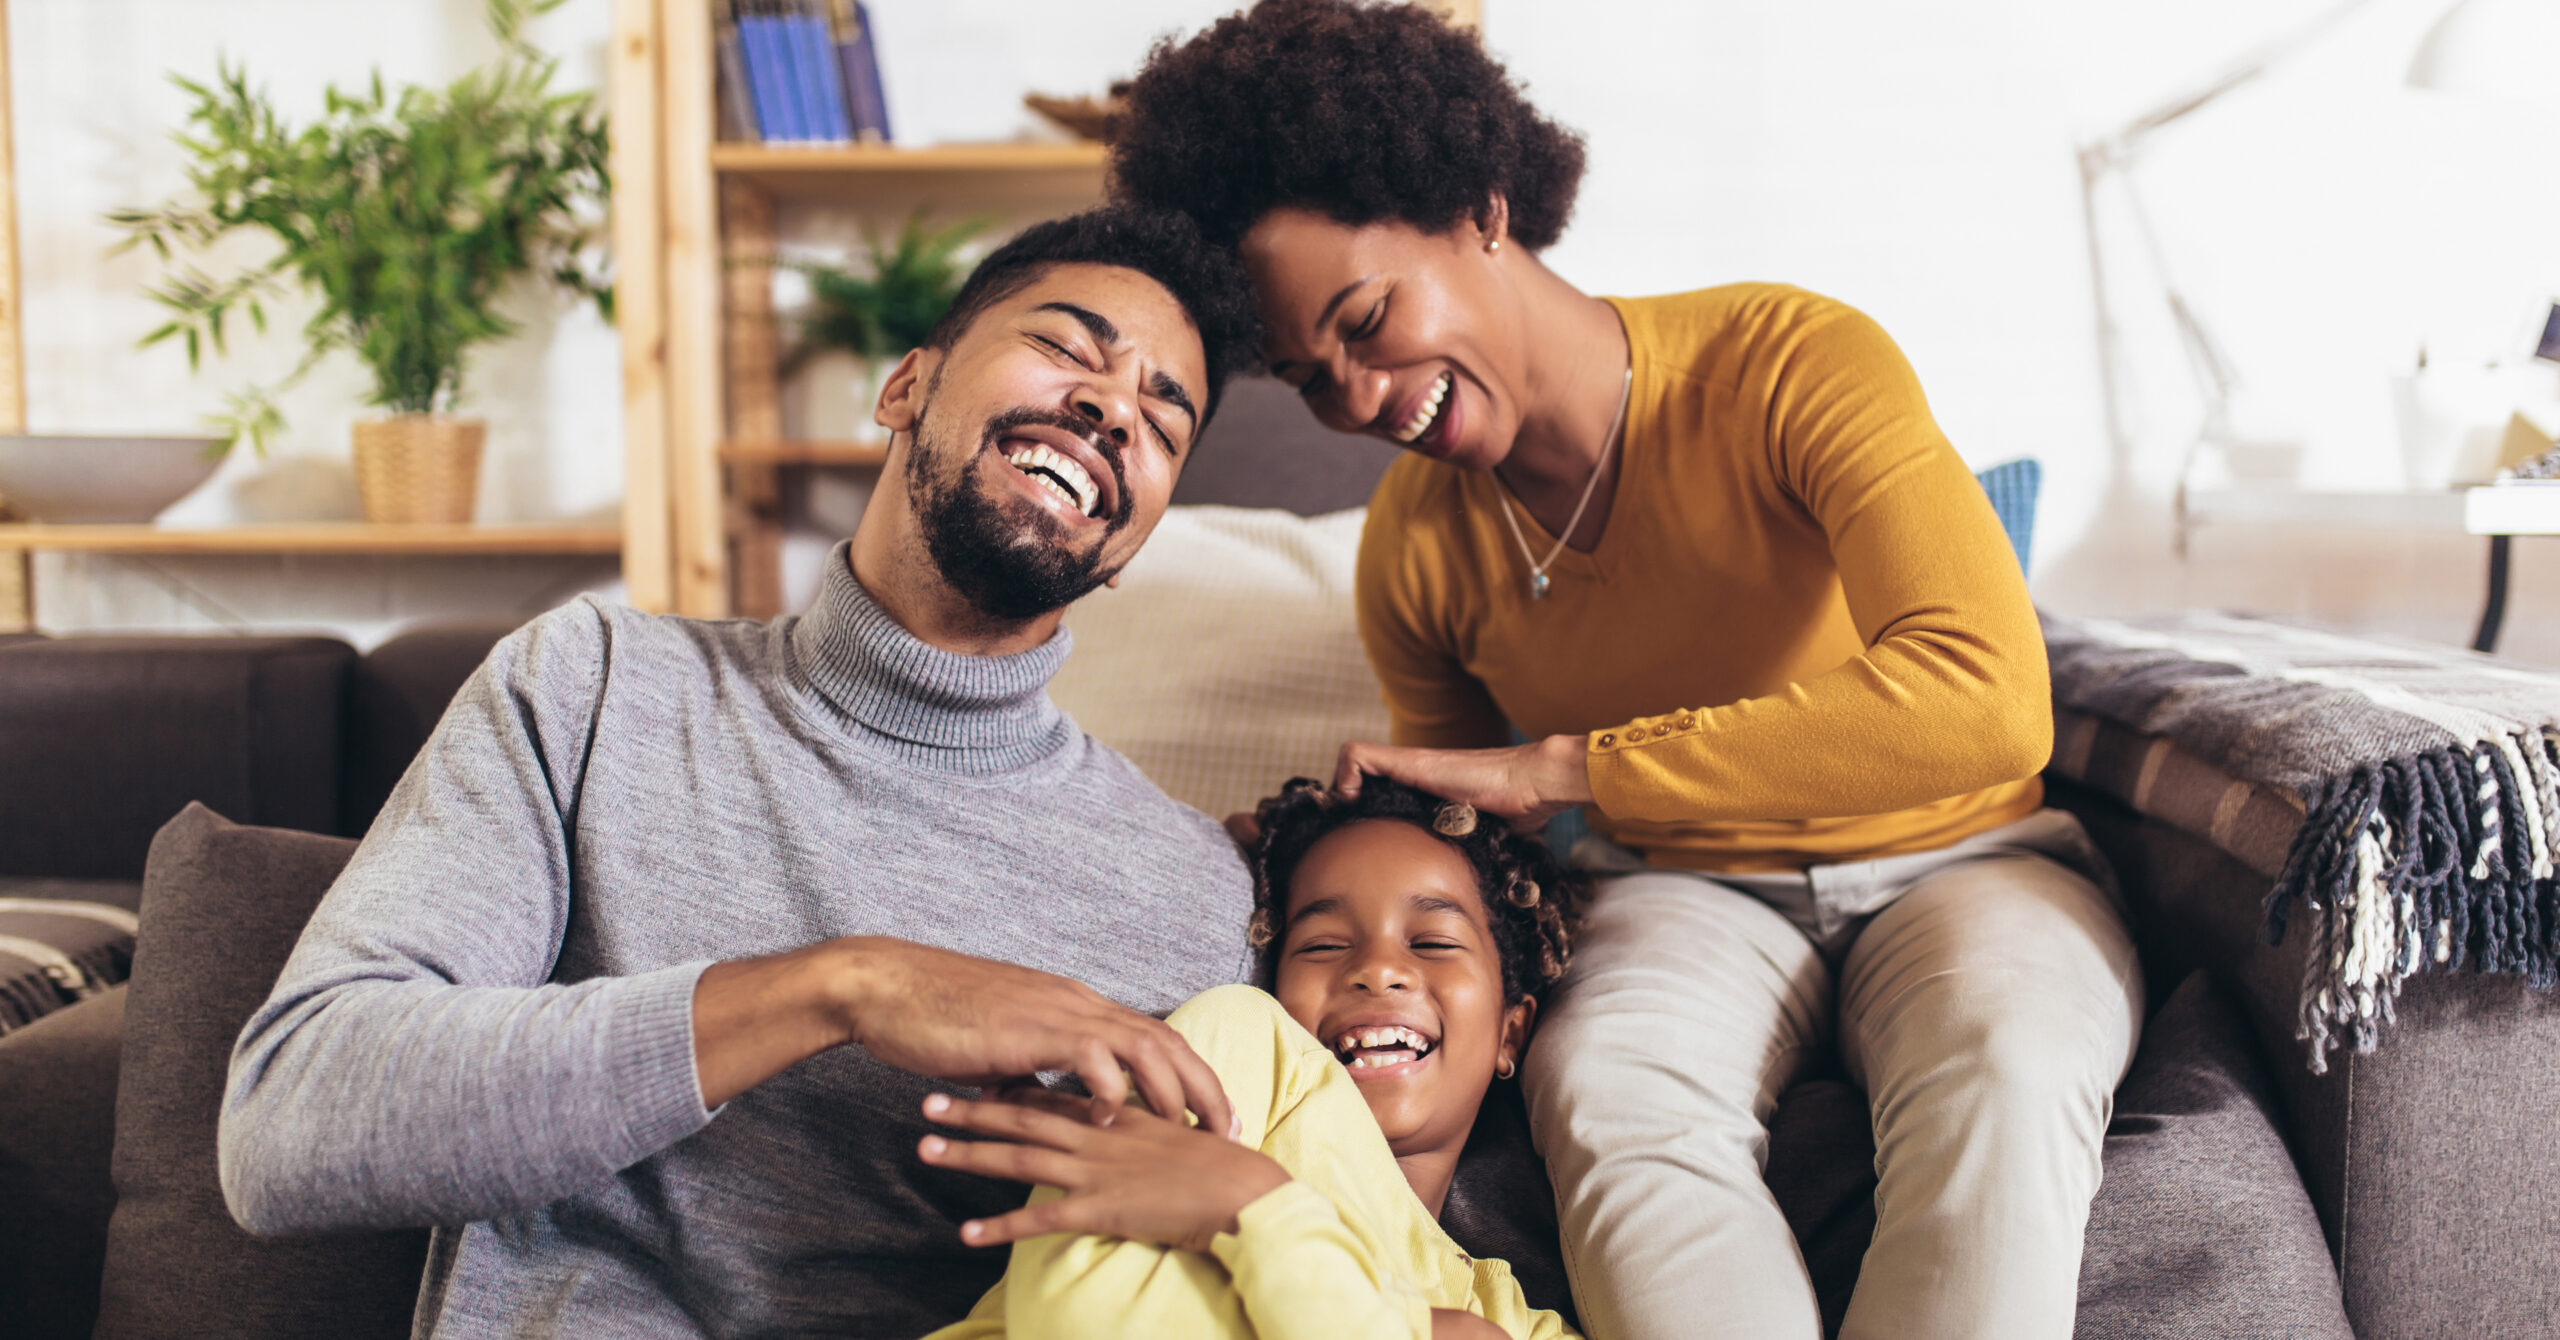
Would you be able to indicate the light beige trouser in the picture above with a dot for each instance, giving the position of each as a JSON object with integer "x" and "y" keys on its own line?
{"x": 1987, "y": 999}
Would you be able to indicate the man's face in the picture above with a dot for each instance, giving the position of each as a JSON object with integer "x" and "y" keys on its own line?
{"x": 1047, "y": 439}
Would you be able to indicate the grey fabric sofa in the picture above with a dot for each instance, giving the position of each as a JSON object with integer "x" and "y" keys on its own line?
{"x": 110, "y": 1216}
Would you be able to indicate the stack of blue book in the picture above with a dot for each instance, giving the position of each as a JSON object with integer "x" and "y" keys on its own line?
{"x": 799, "y": 72}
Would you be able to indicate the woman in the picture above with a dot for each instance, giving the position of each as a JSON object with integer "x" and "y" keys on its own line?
{"x": 1711, "y": 554}
{"x": 1406, "y": 946}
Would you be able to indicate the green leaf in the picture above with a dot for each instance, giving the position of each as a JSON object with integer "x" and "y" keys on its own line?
{"x": 409, "y": 214}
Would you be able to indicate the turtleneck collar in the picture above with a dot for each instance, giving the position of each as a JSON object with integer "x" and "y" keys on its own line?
{"x": 971, "y": 714}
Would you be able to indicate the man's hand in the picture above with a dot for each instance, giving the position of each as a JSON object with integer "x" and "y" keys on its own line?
{"x": 1142, "y": 1178}
{"x": 1526, "y": 784}
{"x": 939, "y": 1013}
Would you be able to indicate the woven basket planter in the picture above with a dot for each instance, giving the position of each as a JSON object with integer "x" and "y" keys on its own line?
{"x": 419, "y": 468}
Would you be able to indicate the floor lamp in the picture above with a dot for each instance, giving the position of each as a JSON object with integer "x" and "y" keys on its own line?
{"x": 2493, "y": 48}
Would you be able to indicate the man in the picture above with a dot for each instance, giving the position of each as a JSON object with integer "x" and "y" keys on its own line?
{"x": 634, "y": 988}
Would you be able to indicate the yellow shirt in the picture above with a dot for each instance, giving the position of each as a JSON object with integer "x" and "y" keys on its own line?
{"x": 1803, "y": 637}
{"x": 1343, "y": 1252}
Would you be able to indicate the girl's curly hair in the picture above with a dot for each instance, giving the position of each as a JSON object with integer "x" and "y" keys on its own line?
{"x": 1357, "y": 111}
{"x": 1530, "y": 897}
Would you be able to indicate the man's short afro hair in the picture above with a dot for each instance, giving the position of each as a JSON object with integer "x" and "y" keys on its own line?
{"x": 1357, "y": 111}
{"x": 1162, "y": 245}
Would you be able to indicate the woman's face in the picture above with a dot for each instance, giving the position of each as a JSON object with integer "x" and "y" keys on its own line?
{"x": 1387, "y": 330}
{"x": 1387, "y": 957}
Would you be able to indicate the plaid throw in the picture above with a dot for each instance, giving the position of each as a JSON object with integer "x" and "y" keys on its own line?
{"x": 2429, "y": 782}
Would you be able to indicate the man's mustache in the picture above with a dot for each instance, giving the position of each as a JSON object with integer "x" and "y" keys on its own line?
{"x": 1084, "y": 431}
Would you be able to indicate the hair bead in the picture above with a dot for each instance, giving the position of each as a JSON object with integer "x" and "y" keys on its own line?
{"x": 1524, "y": 893}
{"x": 1456, "y": 819}
{"x": 1257, "y": 932}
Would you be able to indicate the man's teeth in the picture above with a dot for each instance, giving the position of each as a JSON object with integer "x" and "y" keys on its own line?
{"x": 1422, "y": 418}
{"x": 1367, "y": 1048}
{"x": 1059, "y": 473}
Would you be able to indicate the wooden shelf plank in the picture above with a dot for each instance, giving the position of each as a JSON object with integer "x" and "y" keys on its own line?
{"x": 869, "y": 455}
{"x": 1059, "y": 171}
{"x": 318, "y": 537}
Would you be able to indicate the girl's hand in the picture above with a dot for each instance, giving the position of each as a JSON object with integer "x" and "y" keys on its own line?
{"x": 1143, "y": 1177}
{"x": 1526, "y": 784}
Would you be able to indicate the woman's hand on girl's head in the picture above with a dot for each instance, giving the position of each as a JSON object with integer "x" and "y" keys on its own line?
{"x": 1143, "y": 1177}
{"x": 1526, "y": 784}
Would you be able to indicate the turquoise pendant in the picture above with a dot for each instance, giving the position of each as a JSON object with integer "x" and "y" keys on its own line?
{"x": 1537, "y": 586}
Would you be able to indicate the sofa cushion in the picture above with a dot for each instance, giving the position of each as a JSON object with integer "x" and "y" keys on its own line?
{"x": 106, "y": 737}
{"x": 395, "y": 697}
{"x": 1265, "y": 450}
{"x": 2202, "y": 1226}
{"x": 222, "y": 905}
{"x": 57, "y": 1119}
{"x": 1227, "y": 661}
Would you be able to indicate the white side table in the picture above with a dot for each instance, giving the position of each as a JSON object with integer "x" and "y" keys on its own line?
{"x": 2500, "y": 511}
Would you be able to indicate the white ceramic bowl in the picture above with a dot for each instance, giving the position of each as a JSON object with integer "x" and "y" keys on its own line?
{"x": 67, "y": 478}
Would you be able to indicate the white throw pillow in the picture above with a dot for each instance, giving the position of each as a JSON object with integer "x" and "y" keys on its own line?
{"x": 1228, "y": 660}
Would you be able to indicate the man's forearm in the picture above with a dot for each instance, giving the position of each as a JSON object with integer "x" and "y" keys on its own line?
{"x": 755, "y": 1018}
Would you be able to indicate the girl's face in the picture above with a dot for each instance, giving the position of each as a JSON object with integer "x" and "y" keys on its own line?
{"x": 1387, "y": 330}
{"x": 1387, "y": 956}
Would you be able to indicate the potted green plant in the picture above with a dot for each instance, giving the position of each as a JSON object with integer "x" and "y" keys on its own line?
{"x": 408, "y": 214}
{"x": 878, "y": 314}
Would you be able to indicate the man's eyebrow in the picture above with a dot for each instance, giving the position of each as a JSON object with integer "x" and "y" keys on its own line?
{"x": 1166, "y": 389}
{"x": 1091, "y": 320}
{"x": 1162, "y": 386}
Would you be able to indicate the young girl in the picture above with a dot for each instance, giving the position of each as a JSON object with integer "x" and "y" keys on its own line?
{"x": 1407, "y": 945}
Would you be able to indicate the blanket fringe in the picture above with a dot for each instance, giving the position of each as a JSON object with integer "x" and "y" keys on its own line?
{"x": 2434, "y": 862}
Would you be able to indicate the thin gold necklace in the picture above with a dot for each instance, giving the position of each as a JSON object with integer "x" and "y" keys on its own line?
{"x": 1538, "y": 571}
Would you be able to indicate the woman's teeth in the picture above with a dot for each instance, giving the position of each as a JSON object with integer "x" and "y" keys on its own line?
{"x": 1058, "y": 473}
{"x": 1423, "y": 418}
{"x": 1368, "y": 1048}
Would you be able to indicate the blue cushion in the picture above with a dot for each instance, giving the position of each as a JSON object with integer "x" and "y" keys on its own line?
{"x": 2013, "y": 486}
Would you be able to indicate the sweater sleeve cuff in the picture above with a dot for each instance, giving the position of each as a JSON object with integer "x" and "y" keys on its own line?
{"x": 655, "y": 1086}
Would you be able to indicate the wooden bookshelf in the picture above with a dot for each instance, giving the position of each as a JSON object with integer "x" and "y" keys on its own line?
{"x": 971, "y": 173}
{"x": 869, "y": 455}
{"x": 327, "y": 537}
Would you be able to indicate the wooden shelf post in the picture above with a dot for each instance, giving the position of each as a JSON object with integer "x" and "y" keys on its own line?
{"x": 17, "y": 582}
{"x": 692, "y": 264}
{"x": 640, "y": 304}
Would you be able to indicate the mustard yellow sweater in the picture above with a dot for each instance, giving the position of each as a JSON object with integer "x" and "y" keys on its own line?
{"x": 1803, "y": 637}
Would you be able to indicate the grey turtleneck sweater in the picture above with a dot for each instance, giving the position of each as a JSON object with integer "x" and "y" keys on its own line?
{"x": 488, "y": 1024}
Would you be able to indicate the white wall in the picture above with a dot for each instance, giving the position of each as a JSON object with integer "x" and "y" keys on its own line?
{"x": 1914, "y": 160}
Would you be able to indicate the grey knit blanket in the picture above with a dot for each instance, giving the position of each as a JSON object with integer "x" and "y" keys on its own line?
{"x": 2429, "y": 780}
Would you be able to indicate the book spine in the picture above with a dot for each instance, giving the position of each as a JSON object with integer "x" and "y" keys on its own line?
{"x": 819, "y": 76}
{"x": 794, "y": 78}
{"x": 739, "y": 122}
{"x": 865, "y": 101}
{"x": 766, "y": 74}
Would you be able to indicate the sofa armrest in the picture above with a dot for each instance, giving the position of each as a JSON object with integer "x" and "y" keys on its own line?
{"x": 2427, "y": 1158}
{"x": 57, "y": 1130}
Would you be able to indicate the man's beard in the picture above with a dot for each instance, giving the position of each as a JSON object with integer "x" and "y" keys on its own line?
{"x": 1006, "y": 556}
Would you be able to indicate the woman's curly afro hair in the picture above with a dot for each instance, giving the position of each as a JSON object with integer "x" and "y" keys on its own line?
{"x": 1529, "y": 896}
{"x": 1361, "y": 112}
